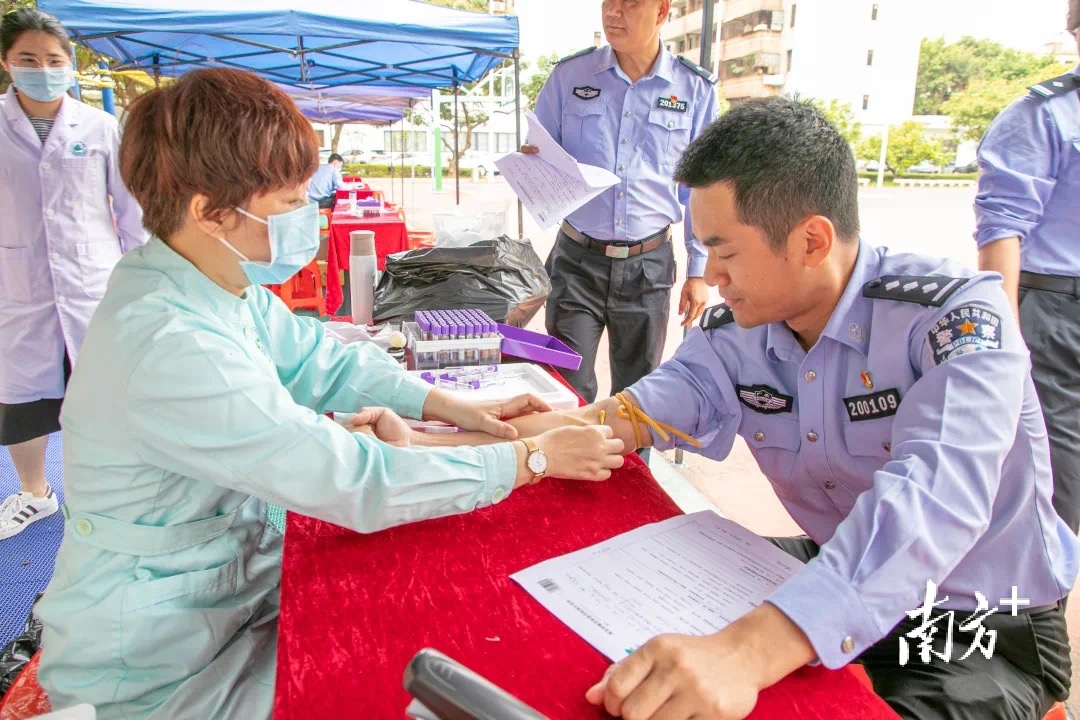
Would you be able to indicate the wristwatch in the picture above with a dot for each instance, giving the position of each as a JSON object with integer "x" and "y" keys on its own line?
{"x": 536, "y": 461}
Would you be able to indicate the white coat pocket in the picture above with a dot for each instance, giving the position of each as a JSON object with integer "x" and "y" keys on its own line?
{"x": 17, "y": 274}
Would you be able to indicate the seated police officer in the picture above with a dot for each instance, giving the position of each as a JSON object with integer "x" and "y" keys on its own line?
{"x": 887, "y": 398}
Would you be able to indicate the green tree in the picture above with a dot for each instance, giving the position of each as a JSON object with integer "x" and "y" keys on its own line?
{"x": 531, "y": 88}
{"x": 947, "y": 69}
{"x": 908, "y": 145}
{"x": 474, "y": 5}
{"x": 973, "y": 109}
{"x": 843, "y": 117}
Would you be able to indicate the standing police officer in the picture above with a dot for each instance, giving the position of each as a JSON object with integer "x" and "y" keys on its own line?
{"x": 632, "y": 108}
{"x": 1027, "y": 216}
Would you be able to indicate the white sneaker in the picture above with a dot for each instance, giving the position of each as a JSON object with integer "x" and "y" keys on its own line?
{"x": 21, "y": 509}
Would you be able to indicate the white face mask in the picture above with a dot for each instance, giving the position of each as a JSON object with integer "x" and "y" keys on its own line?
{"x": 43, "y": 84}
{"x": 294, "y": 241}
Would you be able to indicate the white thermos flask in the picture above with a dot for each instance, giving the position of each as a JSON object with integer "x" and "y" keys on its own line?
{"x": 362, "y": 268}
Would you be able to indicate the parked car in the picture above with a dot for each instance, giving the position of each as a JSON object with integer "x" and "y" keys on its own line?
{"x": 354, "y": 156}
{"x": 483, "y": 162}
{"x": 971, "y": 167}
{"x": 872, "y": 166}
{"x": 925, "y": 167}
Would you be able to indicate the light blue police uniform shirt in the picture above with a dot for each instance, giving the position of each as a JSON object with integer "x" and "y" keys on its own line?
{"x": 637, "y": 131}
{"x": 1029, "y": 181}
{"x": 939, "y": 472}
{"x": 325, "y": 182}
{"x": 190, "y": 408}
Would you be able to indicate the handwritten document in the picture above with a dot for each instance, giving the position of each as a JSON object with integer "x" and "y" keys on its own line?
{"x": 551, "y": 184}
{"x": 693, "y": 575}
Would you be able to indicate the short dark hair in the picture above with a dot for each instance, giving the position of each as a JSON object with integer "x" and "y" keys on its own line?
{"x": 335, "y": 158}
{"x": 17, "y": 22}
{"x": 784, "y": 160}
{"x": 223, "y": 133}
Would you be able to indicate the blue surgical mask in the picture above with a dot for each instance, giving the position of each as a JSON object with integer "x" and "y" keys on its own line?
{"x": 43, "y": 84}
{"x": 294, "y": 241}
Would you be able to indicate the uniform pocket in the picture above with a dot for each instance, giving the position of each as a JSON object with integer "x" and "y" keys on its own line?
{"x": 774, "y": 441}
{"x": 667, "y": 136}
{"x": 658, "y": 268}
{"x": 176, "y": 625}
{"x": 583, "y": 126}
{"x": 84, "y": 177}
{"x": 16, "y": 274}
{"x": 96, "y": 262}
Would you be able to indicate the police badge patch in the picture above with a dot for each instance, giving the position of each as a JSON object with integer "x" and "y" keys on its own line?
{"x": 764, "y": 399}
{"x": 965, "y": 330}
{"x": 586, "y": 92}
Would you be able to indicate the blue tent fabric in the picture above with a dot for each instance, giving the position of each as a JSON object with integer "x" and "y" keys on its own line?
{"x": 327, "y": 42}
{"x": 337, "y": 112}
{"x": 375, "y": 105}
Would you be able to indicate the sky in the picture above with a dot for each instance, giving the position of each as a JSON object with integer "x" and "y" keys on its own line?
{"x": 564, "y": 26}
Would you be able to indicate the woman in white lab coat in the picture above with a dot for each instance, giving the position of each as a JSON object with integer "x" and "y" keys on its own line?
{"x": 58, "y": 243}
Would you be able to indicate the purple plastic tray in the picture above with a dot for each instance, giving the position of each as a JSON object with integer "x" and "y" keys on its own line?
{"x": 537, "y": 347}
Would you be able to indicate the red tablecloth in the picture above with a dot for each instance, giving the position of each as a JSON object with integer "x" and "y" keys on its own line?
{"x": 356, "y": 608}
{"x": 390, "y": 237}
{"x": 363, "y": 192}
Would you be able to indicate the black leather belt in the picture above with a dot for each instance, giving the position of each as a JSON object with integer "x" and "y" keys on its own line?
{"x": 616, "y": 249}
{"x": 1051, "y": 283}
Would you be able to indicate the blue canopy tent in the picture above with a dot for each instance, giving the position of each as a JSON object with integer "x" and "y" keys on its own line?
{"x": 327, "y": 43}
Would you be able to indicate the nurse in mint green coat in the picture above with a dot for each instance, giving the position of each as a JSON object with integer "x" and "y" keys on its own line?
{"x": 199, "y": 398}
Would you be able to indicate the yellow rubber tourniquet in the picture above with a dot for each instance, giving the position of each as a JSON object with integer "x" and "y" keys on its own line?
{"x": 629, "y": 411}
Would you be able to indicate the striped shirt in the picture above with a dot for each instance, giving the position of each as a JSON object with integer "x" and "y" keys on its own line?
{"x": 42, "y": 126}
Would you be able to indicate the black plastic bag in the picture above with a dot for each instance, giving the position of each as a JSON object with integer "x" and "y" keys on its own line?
{"x": 503, "y": 277}
{"x": 17, "y": 653}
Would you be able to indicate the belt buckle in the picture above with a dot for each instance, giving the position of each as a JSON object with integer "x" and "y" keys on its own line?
{"x": 617, "y": 252}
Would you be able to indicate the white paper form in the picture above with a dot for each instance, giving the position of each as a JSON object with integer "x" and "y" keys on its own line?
{"x": 693, "y": 575}
{"x": 551, "y": 184}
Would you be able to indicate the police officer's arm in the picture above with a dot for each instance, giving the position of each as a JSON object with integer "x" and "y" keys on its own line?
{"x": 1019, "y": 159}
{"x": 125, "y": 209}
{"x": 932, "y": 501}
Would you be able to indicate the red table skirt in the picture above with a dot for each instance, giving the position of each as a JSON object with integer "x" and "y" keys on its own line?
{"x": 362, "y": 193}
{"x": 356, "y": 608}
{"x": 390, "y": 237}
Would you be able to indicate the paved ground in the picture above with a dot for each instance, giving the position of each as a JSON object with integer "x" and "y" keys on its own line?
{"x": 936, "y": 221}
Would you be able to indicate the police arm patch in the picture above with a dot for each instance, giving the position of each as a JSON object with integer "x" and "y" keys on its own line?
{"x": 764, "y": 399}
{"x": 964, "y": 330}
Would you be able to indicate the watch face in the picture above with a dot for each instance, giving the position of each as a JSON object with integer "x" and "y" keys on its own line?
{"x": 537, "y": 462}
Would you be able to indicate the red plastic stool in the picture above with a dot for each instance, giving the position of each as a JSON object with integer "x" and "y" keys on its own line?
{"x": 303, "y": 290}
{"x": 25, "y": 698}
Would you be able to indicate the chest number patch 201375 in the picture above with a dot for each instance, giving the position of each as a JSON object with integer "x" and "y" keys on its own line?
{"x": 964, "y": 330}
{"x": 875, "y": 405}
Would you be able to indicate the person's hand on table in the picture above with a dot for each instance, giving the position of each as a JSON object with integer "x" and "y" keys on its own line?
{"x": 588, "y": 452}
{"x": 384, "y": 424}
{"x": 692, "y": 301}
{"x": 485, "y": 417}
{"x": 679, "y": 677}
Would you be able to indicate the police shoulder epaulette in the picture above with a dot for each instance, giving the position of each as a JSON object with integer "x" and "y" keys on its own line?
{"x": 698, "y": 70}
{"x": 578, "y": 54}
{"x": 928, "y": 290}
{"x": 1056, "y": 86}
{"x": 716, "y": 316}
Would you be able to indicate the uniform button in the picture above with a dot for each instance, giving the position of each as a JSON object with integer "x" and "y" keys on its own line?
{"x": 624, "y": 141}
{"x": 670, "y": 125}
{"x": 621, "y": 194}
{"x": 55, "y": 256}
{"x": 887, "y": 446}
{"x": 61, "y": 299}
{"x": 627, "y": 113}
{"x": 622, "y": 168}
{"x": 830, "y": 485}
{"x": 759, "y": 436}
{"x": 619, "y": 223}
{"x": 45, "y": 166}
{"x": 498, "y": 496}
{"x": 83, "y": 526}
{"x": 811, "y": 436}
{"x": 49, "y": 213}
{"x": 848, "y": 645}
{"x": 810, "y": 376}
